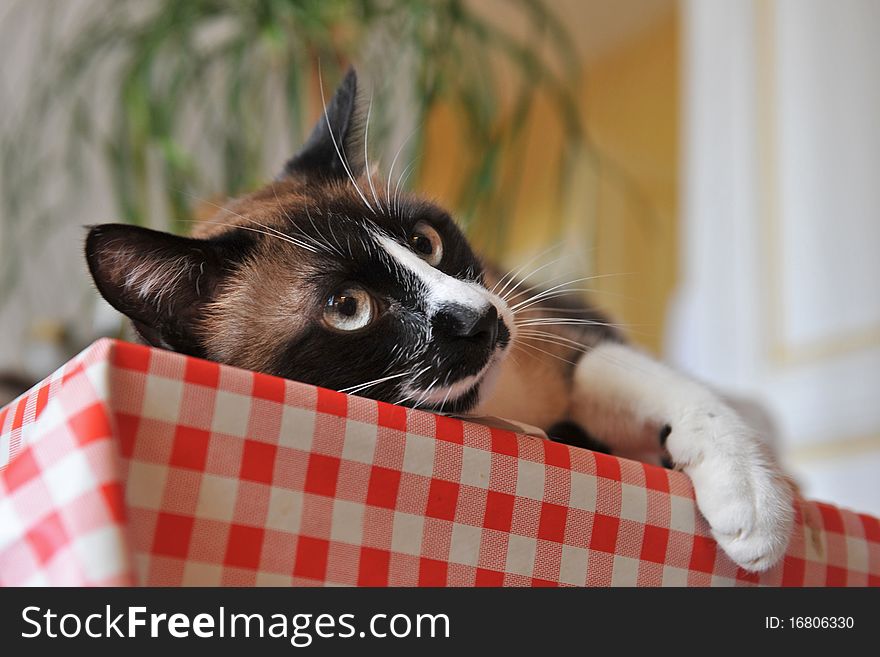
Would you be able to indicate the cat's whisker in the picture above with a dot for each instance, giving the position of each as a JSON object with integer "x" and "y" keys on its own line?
{"x": 276, "y": 232}
{"x": 546, "y": 291}
{"x": 415, "y": 376}
{"x": 540, "y": 295}
{"x": 553, "y": 338}
{"x": 415, "y": 391}
{"x": 333, "y": 234}
{"x": 267, "y": 230}
{"x": 517, "y": 273}
{"x": 426, "y": 392}
{"x": 544, "y": 351}
{"x": 513, "y": 275}
{"x": 280, "y": 236}
{"x": 588, "y": 278}
{"x": 329, "y": 246}
{"x": 592, "y": 291}
{"x": 539, "y": 331}
{"x": 507, "y": 296}
{"x": 324, "y": 246}
{"x": 565, "y": 321}
{"x": 394, "y": 162}
{"x": 448, "y": 393}
{"x": 529, "y": 303}
{"x": 285, "y": 237}
{"x": 403, "y": 400}
{"x": 367, "y": 156}
{"x": 222, "y": 208}
{"x": 361, "y": 386}
{"x": 555, "y": 309}
{"x": 342, "y": 159}
{"x": 574, "y": 352}
{"x": 570, "y": 321}
{"x": 555, "y": 291}
{"x": 404, "y": 173}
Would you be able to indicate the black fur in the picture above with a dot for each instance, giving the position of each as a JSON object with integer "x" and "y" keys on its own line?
{"x": 318, "y": 157}
{"x": 324, "y": 210}
{"x": 337, "y": 360}
{"x": 570, "y": 433}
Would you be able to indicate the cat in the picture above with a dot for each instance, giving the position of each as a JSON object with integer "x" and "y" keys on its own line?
{"x": 326, "y": 277}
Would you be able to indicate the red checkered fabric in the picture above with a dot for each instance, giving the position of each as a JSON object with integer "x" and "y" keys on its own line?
{"x": 139, "y": 466}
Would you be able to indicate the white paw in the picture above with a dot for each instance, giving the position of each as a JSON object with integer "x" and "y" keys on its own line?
{"x": 739, "y": 488}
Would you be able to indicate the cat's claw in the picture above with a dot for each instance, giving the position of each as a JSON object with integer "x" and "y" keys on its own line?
{"x": 739, "y": 489}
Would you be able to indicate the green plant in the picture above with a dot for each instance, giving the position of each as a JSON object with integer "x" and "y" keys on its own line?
{"x": 174, "y": 96}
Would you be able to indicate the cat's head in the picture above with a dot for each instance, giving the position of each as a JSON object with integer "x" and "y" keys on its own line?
{"x": 325, "y": 276}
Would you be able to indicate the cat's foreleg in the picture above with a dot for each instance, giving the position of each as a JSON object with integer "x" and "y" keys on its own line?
{"x": 634, "y": 404}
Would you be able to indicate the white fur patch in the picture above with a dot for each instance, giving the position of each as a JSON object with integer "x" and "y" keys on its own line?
{"x": 153, "y": 279}
{"x": 623, "y": 397}
{"x": 150, "y": 280}
{"x": 443, "y": 289}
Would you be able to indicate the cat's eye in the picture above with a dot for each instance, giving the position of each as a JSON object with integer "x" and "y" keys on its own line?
{"x": 426, "y": 242}
{"x": 350, "y": 309}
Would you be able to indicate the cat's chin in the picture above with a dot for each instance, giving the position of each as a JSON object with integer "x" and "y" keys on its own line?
{"x": 461, "y": 405}
{"x": 464, "y": 395}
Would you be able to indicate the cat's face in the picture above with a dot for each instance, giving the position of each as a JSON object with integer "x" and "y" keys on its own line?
{"x": 325, "y": 277}
{"x": 388, "y": 304}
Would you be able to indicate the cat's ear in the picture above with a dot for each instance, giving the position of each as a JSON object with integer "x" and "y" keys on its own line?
{"x": 336, "y": 140}
{"x": 158, "y": 280}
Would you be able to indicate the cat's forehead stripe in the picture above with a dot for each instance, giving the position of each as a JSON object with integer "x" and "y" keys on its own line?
{"x": 442, "y": 288}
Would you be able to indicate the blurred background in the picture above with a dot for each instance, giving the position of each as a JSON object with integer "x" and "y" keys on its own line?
{"x": 714, "y": 163}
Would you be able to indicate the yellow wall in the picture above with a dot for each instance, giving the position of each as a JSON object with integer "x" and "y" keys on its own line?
{"x": 633, "y": 115}
{"x": 623, "y": 211}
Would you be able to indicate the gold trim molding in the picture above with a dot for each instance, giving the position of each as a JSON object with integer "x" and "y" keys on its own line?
{"x": 834, "y": 449}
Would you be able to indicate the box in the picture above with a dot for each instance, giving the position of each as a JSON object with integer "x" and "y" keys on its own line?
{"x": 133, "y": 465}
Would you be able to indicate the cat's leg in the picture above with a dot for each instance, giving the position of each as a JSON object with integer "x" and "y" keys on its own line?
{"x": 632, "y": 403}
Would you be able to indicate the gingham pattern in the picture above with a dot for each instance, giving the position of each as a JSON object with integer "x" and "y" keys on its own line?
{"x": 136, "y": 465}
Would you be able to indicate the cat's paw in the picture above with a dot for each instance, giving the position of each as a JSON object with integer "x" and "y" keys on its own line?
{"x": 739, "y": 488}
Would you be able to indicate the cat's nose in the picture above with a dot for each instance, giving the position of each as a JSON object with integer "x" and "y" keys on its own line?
{"x": 458, "y": 322}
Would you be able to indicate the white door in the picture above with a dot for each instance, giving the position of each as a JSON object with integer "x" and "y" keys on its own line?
{"x": 780, "y": 295}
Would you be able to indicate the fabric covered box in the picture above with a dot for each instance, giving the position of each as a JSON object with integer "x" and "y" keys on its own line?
{"x": 133, "y": 465}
